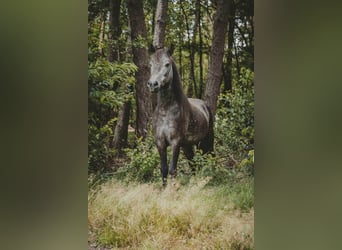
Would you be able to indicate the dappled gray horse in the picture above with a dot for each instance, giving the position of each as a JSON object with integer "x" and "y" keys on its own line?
{"x": 178, "y": 121}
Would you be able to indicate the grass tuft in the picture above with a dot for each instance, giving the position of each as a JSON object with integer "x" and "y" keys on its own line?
{"x": 195, "y": 216}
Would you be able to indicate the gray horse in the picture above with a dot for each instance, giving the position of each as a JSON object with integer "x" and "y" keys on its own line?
{"x": 178, "y": 121}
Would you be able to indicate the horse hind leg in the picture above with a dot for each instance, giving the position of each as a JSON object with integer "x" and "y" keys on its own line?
{"x": 207, "y": 143}
{"x": 189, "y": 154}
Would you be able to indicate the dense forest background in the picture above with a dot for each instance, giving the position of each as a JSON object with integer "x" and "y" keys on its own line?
{"x": 214, "y": 53}
{"x": 120, "y": 106}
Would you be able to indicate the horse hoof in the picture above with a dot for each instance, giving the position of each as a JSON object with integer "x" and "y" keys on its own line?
{"x": 173, "y": 173}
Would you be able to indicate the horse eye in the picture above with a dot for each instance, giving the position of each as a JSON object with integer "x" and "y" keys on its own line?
{"x": 167, "y": 64}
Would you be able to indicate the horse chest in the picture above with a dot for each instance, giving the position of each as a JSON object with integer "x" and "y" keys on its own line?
{"x": 168, "y": 124}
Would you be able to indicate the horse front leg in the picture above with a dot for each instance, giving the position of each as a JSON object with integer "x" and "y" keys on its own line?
{"x": 163, "y": 163}
{"x": 175, "y": 148}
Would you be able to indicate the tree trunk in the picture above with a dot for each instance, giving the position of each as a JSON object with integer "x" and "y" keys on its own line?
{"x": 101, "y": 38}
{"x": 114, "y": 30}
{"x": 180, "y": 68}
{"x": 216, "y": 55}
{"x": 192, "y": 83}
{"x": 140, "y": 58}
{"x": 160, "y": 27}
{"x": 236, "y": 52}
{"x": 193, "y": 49}
{"x": 227, "y": 69}
{"x": 200, "y": 87}
{"x": 121, "y": 128}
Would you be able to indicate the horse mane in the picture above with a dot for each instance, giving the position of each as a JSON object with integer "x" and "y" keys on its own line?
{"x": 177, "y": 83}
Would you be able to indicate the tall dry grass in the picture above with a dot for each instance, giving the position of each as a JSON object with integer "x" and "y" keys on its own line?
{"x": 145, "y": 216}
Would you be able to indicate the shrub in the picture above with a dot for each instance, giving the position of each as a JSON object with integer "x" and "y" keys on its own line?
{"x": 234, "y": 127}
{"x": 143, "y": 164}
{"x": 109, "y": 85}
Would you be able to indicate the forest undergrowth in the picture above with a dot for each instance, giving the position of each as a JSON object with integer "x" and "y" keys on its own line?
{"x": 193, "y": 216}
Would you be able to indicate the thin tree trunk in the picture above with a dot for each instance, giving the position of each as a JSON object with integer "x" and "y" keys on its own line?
{"x": 101, "y": 38}
{"x": 193, "y": 48}
{"x": 114, "y": 30}
{"x": 251, "y": 40}
{"x": 180, "y": 57}
{"x": 140, "y": 58}
{"x": 227, "y": 69}
{"x": 192, "y": 83}
{"x": 216, "y": 55}
{"x": 200, "y": 87}
{"x": 251, "y": 22}
{"x": 193, "y": 52}
{"x": 121, "y": 128}
{"x": 236, "y": 59}
{"x": 160, "y": 27}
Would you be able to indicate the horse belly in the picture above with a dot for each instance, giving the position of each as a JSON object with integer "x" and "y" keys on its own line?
{"x": 198, "y": 126}
{"x": 196, "y": 132}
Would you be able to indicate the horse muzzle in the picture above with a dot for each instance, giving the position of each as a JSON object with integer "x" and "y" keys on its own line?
{"x": 153, "y": 86}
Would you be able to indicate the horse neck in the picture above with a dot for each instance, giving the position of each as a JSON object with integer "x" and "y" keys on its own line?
{"x": 174, "y": 93}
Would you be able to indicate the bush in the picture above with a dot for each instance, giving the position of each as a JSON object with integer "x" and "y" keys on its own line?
{"x": 234, "y": 127}
{"x": 143, "y": 165}
{"x": 109, "y": 85}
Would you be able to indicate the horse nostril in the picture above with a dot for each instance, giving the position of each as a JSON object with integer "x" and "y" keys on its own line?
{"x": 152, "y": 84}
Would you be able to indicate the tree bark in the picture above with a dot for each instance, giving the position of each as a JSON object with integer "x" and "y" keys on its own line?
{"x": 160, "y": 27}
{"x": 121, "y": 128}
{"x": 101, "y": 36}
{"x": 193, "y": 51}
{"x": 114, "y": 30}
{"x": 180, "y": 56}
{"x": 216, "y": 55}
{"x": 236, "y": 52}
{"x": 140, "y": 58}
{"x": 227, "y": 69}
{"x": 200, "y": 87}
{"x": 192, "y": 83}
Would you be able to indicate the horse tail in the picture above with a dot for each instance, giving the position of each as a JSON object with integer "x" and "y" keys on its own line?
{"x": 207, "y": 143}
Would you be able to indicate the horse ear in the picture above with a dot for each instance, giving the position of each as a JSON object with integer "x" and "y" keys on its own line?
{"x": 171, "y": 49}
{"x": 151, "y": 48}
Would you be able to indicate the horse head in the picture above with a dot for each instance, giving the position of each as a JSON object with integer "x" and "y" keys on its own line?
{"x": 161, "y": 69}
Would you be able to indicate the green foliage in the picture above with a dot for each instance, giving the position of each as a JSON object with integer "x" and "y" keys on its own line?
{"x": 109, "y": 85}
{"x": 239, "y": 192}
{"x": 234, "y": 127}
{"x": 99, "y": 153}
{"x": 139, "y": 42}
{"x": 143, "y": 165}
